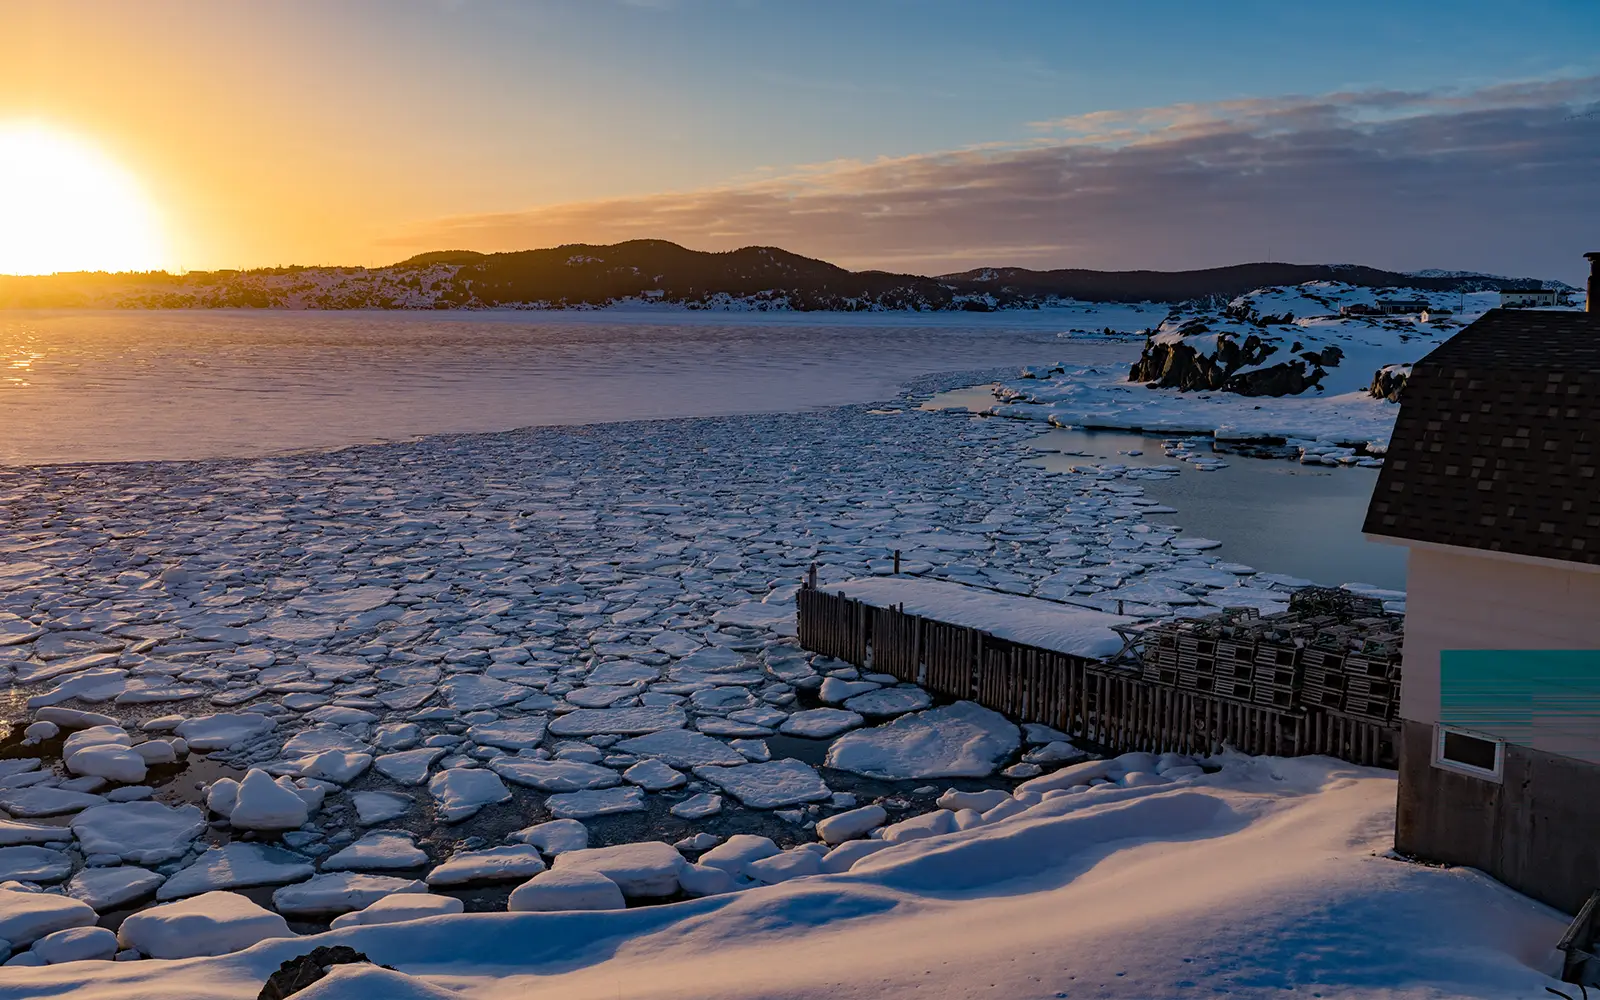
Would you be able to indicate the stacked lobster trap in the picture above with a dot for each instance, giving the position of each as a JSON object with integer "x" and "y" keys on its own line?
{"x": 1332, "y": 651}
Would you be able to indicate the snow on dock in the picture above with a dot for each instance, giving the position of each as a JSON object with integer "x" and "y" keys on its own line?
{"x": 1029, "y": 621}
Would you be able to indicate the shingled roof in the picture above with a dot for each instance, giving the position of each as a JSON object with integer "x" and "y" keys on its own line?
{"x": 1497, "y": 445}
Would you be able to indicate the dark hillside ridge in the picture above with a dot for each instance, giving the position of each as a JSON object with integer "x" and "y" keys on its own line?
{"x": 581, "y": 275}
{"x": 1226, "y": 282}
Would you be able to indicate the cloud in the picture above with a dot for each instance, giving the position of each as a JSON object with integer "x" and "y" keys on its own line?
{"x": 1501, "y": 178}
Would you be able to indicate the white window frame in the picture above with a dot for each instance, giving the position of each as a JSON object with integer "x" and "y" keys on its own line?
{"x": 1443, "y": 763}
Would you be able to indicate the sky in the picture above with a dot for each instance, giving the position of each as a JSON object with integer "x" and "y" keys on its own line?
{"x": 915, "y": 135}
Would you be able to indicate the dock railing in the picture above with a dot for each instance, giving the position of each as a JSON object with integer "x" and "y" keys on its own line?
{"x": 1090, "y": 699}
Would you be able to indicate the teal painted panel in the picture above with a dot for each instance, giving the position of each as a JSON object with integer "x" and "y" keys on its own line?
{"x": 1547, "y": 699}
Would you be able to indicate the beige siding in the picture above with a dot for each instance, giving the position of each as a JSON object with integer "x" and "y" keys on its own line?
{"x": 1458, "y": 600}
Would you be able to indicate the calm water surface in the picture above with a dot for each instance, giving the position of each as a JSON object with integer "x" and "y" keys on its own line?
{"x": 111, "y": 386}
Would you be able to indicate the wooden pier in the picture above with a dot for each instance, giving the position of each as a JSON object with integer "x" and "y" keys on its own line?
{"x": 1107, "y": 704}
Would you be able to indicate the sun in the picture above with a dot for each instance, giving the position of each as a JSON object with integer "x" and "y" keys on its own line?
{"x": 66, "y": 206}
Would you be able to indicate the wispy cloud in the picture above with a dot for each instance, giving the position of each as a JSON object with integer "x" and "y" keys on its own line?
{"x": 1499, "y": 178}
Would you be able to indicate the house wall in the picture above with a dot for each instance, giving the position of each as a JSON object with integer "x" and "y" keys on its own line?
{"x": 1534, "y": 830}
{"x": 1457, "y": 599}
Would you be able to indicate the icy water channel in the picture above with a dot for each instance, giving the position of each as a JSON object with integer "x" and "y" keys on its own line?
{"x": 1276, "y": 515}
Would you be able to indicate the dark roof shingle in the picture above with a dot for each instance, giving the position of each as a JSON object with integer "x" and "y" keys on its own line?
{"x": 1496, "y": 443}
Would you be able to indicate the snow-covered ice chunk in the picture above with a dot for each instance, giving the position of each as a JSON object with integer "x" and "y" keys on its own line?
{"x": 470, "y": 692}
{"x": 778, "y": 618}
{"x": 570, "y": 889}
{"x": 843, "y": 857}
{"x": 76, "y": 944}
{"x": 1056, "y": 752}
{"x": 653, "y": 776}
{"x": 27, "y": 916}
{"x": 555, "y": 836}
{"x": 955, "y": 799}
{"x": 820, "y": 723}
{"x": 697, "y": 806}
{"x": 783, "y": 867}
{"x": 930, "y": 824}
{"x": 848, "y": 825}
{"x": 554, "y": 775}
{"x": 649, "y": 868}
{"x": 408, "y": 767}
{"x": 835, "y": 690}
{"x": 737, "y": 851}
{"x": 379, "y": 807}
{"x": 140, "y": 832}
{"x": 263, "y": 804}
{"x": 398, "y": 907}
{"x": 599, "y": 802}
{"x": 339, "y": 892}
{"x": 236, "y": 866}
{"x": 216, "y": 923}
{"x": 28, "y": 863}
{"x": 494, "y": 864}
{"x": 963, "y": 739}
{"x": 34, "y": 802}
{"x": 621, "y": 721}
{"x": 377, "y": 851}
{"x": 769, "y": 786}
{"x": 460, "y": 792}
{"x": 343, "y": 602}
{"x": 338, "y": 766}
{"x": 701, "y": 880}
{"x": 890, "y": 701}
{"x": 682, "y": 748}
{"x": 108, "y": 888}
{"x": 219, "y": 732}
{"x": 510, "y": 734}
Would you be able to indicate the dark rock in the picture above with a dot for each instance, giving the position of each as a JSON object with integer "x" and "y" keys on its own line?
{"x": 1180, "y": 366}
{"x": 298, "y": 973}
{"x": 1287, "y": 379}
{"x": 1389, "y": 383}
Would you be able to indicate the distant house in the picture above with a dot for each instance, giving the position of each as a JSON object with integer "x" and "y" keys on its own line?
{"x": 1522, "y": 298}
{"x": 1385, "y": 307}
{"x": 1493, "y": 482}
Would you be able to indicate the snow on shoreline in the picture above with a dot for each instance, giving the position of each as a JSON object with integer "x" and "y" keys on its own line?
{"x": 1290, "y": 325}
{"x": 1264, "y": 876}
{"x": 1097, "y": 398}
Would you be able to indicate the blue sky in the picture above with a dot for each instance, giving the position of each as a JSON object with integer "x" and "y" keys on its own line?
{"x": 891, "y": 133}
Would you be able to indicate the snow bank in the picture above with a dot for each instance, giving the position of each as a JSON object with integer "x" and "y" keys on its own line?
{"x": 1027, "y": 620}
{"x": 1264, "y": 878}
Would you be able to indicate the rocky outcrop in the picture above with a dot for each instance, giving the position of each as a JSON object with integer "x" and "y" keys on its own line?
{"x": 1176, "y": 364}
{"x": 1390, "y": 382}
{"x": 1171, "y": 363}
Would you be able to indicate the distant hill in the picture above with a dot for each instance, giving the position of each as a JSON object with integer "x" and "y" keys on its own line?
{"x": 584, "y": 276}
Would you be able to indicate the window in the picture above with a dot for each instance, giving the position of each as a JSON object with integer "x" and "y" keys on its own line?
{"x": 1469, "y": 753}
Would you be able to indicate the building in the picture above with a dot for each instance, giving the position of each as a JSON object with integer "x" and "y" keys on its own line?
{"x": 1522, "y": 298}
{"x": 1385, "y": 307}
{"x": 1493, "y": 483}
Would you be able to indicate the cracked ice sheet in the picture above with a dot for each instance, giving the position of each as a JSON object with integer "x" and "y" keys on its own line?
{"x": 581, "y": 557}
